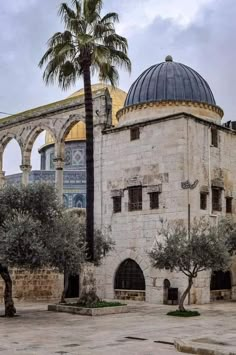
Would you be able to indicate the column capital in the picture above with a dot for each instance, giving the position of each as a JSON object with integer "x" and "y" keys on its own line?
{"x": 59, "y": 163}
{"x": 26, "y": 168}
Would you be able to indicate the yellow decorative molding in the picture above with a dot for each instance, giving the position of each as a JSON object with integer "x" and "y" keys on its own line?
{"x": 160, "y": 104}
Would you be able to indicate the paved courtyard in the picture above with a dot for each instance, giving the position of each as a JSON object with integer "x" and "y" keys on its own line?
{"x": 37, "y": 331}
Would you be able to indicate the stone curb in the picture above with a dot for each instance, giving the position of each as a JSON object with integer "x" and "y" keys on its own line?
{"x": 88, "y": 311}
{"x": 197, "y": 348}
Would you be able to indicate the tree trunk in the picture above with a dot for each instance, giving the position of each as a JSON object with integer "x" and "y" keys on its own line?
{"x": 184, "y": 295}
{"x": 88, "y": 295}
{"x": 9, "y": 304}
{"x": 89, "y": 160}
{"x": 66, "y": 284}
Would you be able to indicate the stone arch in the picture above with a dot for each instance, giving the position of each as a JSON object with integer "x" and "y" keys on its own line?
{"x": 6, "y": 139}
{"x": 129, "y": 276}
{"x": 3, "y": 144}
{"x": 129, "y": 281}
{"x": 30, "y": 139}
{"x": 111, "y": 264}
{"x": 68, "y": 125}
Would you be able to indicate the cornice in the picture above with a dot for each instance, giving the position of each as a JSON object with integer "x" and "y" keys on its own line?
{"x": 168, "y": 103}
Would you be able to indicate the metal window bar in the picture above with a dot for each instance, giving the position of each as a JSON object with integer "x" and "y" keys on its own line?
{"x": 229, "y": 204}
{"x": 214, "y": 137}
{"x": 116, "y": 204}
{"x": 135, "y": 198}
{"x": 154, "y": 200}
{"x": 203, "y": 201}
{"x": 129, "y": 276}
{"x": 134, "y": 133}
{"x": 216, "y": 199}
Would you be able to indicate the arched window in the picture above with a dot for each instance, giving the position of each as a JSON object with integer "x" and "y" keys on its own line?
{"x": 129, "y": 276}
{"x": 220, "y": 280}
{"x": 78, "y": 201}
{"x": 65, "y": 201}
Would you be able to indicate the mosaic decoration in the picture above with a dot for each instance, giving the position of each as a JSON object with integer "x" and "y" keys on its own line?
{"x": 51, "y": 161}
{"x": 78, "y": 157}
{"x": 68, "y": 157}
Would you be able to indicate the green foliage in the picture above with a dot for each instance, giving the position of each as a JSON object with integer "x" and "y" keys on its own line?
{"x": 204, "y": 249}
{"x": 179, "y": 313}
{"x": 67, "y": 246}
{"x": 227, "y": 227}
{"x": 90, "y": 40}
{"x": 21, "y": 243}
{"x": 99, "y": 304}
{"x": 35, "y": 232}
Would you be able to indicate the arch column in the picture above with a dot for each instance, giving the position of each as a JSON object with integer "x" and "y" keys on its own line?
{"x": 26, "y": 169}
{"x": 59, "y": 172}
{"x": 2, "y": 173}
{"x": 59, "y": 169}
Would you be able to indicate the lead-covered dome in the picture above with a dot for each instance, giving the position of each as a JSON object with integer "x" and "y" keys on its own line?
{"x": 169, "y": 81}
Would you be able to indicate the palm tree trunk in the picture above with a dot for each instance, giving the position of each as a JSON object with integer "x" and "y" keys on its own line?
{"x": 9, "y": 304}
{"x": 89, "y": 161}
{"x": 184, "y": 295}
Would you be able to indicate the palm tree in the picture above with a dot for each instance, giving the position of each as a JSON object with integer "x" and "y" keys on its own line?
{"x": 89, "y": 44}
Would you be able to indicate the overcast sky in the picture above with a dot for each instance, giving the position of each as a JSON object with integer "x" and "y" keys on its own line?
{"x": 198, "y": 33}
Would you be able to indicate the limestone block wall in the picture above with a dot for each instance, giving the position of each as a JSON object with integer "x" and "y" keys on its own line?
{"x": 40, "y": 285}
{"x": 168, "y": 152}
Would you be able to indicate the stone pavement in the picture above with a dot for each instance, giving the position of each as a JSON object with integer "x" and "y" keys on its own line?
{"x": 36, "y": 331}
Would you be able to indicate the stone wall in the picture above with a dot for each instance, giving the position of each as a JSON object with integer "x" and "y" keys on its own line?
{"x": 40, "y": 285}
{"x": 169, "y": 151}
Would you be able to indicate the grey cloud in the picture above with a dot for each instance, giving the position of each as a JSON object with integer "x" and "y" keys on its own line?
{"x": 207, "y": 45}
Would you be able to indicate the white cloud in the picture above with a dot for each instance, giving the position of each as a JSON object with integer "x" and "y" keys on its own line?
{"x": 138, "y": 14}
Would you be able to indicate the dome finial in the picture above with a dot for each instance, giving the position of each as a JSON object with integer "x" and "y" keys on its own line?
{"x": 169, "y": 58}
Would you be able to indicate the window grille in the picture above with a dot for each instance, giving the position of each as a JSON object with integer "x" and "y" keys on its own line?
{"x": 229, "y": 204}
{"x": 214, "y": 137}
{"x": 203, "y": 201}
{"x": 129, "y": 276}
{"x": 135, "y": 198}
{"x": 134, "y": 133}
{"x": 154, "y": 200}
{"x": 216, "y": 199}
{"x": 116, "y": 204}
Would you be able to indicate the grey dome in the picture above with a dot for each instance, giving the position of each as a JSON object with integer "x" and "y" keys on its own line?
{"x": 169, "y": 81}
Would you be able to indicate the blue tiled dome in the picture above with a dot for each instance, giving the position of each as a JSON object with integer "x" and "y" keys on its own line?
{"x": 169, "y": 81}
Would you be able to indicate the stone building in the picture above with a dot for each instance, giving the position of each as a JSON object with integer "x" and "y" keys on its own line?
{"x": 165, "y": 151}
{"x": 169, "y": 151}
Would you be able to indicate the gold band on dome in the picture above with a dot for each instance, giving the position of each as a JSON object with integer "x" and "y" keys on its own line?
{"x": 78, "y": 132}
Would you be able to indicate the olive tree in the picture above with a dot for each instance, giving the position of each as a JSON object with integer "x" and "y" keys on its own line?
{"x": 35, "y": 232}
{"x": 26, "y": 217}
{"x": 204, "y": 248}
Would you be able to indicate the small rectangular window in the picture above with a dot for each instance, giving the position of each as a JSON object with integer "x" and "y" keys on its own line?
{"x": 117, "y": 204}
{"x": 154, "y": 200}
{"x": 134, "y": 133}
{"x": 216, "y": 199}
{"x": 203, "y": 201}
{"x": 214, "y": 137}
{"x": 135, "y": 198}
{"x": 229, "y": 204}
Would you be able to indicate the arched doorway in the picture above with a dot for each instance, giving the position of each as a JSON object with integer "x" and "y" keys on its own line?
{"x": 129, "y": 281}
{"x": 73, "y": 287}
{"x": 220, "y": 285}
